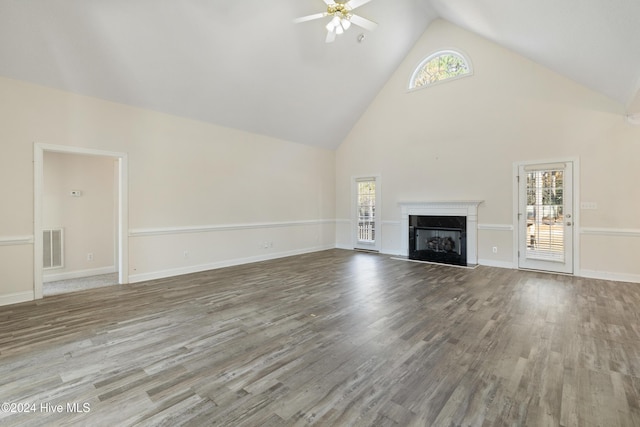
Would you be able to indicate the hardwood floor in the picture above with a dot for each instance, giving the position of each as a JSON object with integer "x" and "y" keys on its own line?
{"x": 330, "y": 338}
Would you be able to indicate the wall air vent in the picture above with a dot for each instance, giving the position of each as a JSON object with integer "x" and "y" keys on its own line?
{"x": 52, "y": 248}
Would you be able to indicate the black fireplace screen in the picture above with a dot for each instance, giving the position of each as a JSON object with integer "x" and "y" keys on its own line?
{"x": 438, "y": 239}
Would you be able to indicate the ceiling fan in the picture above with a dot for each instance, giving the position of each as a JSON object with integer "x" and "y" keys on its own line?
{"x": 342, "y": 18}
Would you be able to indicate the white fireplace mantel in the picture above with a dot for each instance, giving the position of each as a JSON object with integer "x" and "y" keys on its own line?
{"x": 468, "y": 208}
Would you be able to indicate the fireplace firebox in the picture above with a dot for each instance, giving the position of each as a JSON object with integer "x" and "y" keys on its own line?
{"x": 438, "y": 239}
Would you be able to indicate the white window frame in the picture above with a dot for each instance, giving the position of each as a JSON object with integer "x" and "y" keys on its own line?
{"x": 451, "y": 51}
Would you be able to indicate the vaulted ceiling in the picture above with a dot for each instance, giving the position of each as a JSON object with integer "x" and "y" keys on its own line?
{"x": 244, "y": 64}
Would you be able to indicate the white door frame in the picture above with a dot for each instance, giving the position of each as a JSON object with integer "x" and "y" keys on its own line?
{"x": 575, "y": 161}
{"x": 38, "y": 180}
{"x": 354, "y": 213}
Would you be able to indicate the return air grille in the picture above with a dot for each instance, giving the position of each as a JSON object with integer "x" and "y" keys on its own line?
{"x": 52, "y": 248}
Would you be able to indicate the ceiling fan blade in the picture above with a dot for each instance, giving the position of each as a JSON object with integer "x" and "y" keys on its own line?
{"x": 363, "y": 22}
{"x": 328, "y": 2}
{"x": 310, "y": 17}
{"x": 356, "y": 3}
{"x": 331, "y": 36}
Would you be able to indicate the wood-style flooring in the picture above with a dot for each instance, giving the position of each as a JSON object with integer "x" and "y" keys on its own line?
{"x": 334, "y": 338}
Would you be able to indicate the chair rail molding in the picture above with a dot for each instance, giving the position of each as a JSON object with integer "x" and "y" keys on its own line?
{"x": 16, "y": 240}
{"x": 139, "y": 232}
{"x": 607, "y": 231}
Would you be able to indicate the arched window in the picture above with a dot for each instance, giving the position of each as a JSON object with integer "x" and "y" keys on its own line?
{"x": 440, "y": 66}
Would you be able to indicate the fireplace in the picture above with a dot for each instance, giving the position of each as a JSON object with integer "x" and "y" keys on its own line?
{"x": 438, "y": 239}
{"x": 442, "y": 231}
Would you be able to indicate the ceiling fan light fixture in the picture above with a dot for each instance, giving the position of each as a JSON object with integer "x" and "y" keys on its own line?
{"x": 341, "y": 17}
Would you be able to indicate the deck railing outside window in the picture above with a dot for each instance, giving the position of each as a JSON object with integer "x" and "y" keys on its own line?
{"x": 366, "y": 230}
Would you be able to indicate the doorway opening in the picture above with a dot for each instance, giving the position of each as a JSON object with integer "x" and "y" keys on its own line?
{"x": 65, "y": 204}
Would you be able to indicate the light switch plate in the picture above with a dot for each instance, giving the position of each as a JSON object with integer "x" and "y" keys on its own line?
{"x": 588, "y": 205}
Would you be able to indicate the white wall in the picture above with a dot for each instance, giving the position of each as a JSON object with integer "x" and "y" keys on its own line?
{"x": 219, "y": 194}
{"x": 89, "y": 221}
{"x": 222, "y": 195}
{"x": 459, "y": 140}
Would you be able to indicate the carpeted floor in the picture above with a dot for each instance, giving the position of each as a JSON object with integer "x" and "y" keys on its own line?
{"x": 73, "y": 285}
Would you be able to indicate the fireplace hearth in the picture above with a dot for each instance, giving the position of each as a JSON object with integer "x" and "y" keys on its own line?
{"x": 438, "y": 239}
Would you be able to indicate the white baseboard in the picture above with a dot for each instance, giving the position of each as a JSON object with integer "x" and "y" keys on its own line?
{"x": 606, "y": 275}
{"x": 16, "y": 298}
{"x": 494, "y": 263}
{"x": 393, "y": 252}
{"x": 591, "y": 274}
{"x": 78, "y": 274}
{"x": 340, "y": 246}
{"x": 382, "y": 251}
{"x": 135, "y": 278}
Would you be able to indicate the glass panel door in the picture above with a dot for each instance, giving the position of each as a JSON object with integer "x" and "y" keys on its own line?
{"x": 366, "y": 233}
{"x": 545, "y": 223}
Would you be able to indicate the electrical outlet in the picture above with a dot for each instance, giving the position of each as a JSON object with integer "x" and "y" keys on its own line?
{"x": 90, "y": 256}
{"x": 495, "y": 249}
{"x": 185, "y": 254}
